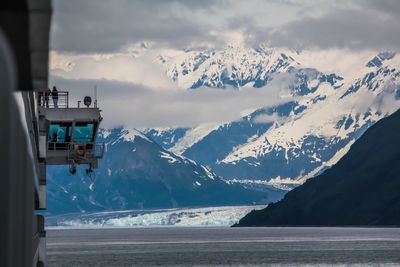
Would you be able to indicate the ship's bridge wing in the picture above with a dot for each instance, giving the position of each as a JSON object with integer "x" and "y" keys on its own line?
{"x": 68, "y": 135}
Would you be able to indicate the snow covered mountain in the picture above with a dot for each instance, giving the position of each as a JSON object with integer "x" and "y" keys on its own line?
{"x": 234, "y": 66}
{"x": 137, "y": 173}
{"x": 361, "y": 189}
{"x": 281, "y": 145}
{"x": 237, "y": 67}
{"x": 292, "y": 141}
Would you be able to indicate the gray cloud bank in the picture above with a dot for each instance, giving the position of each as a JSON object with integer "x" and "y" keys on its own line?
{"x": 353, "y": 29}
{"x": 127, "y": 104}
{"x": 99, "y": 26}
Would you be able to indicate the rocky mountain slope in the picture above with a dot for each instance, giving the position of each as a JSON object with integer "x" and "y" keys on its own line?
{"x": 363, "y": 188}
{"x": 137, "y": 173}
{"x": 324, "y": 114}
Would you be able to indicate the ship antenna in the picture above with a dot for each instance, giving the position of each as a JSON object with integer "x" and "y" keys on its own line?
{"x": 95, "y": 96}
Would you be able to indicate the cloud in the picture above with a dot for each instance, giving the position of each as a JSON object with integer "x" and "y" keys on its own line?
{"x": 265, "y": 118}
{"x": 135, "y": 65}
{"x": 106, "y": 26}
{"x": 390, "y": 7}
{"x": 341, "y": 28}
{"x": 115, "y": 44}
{"x": 98, "y": 26}
{"x": 138, "y": 106}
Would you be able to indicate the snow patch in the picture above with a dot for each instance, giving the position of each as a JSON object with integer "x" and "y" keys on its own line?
{"x": 105, "y": 133}
{"x": 129, "y": 135}
{"x": 191, "y": 137}
{"x": 285, "y": 184}
{"x": 167, "y": 156}
{"x": 208, "y": 172}
{"x": 332, "y": 161}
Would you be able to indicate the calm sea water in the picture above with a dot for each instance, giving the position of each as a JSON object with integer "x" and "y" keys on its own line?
{"x": 206, "y": 246}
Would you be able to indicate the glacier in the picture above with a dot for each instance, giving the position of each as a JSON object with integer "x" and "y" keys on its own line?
{"x": 211, "y": 216}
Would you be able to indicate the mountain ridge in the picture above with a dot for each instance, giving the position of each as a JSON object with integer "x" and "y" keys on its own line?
{"x": 329, "y": 113}
{"x": 137, "y": 173}
{"x": 361, "y": 189}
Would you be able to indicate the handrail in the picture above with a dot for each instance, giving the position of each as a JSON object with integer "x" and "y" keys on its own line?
{"x": 96, "y": 150}
{"x": 48, "y": 99}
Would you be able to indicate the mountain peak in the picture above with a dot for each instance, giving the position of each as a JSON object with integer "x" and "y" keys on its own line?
{"x": 378, "y": 60}
{"x": 129, "y": 135}
{"x": 235, "y": 66}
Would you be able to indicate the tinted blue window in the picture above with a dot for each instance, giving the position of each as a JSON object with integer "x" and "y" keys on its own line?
{"x": 83, "y": 132}
{"x": 60, "y": 132}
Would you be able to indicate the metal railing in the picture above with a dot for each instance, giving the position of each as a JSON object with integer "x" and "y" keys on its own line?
{"x": 86, "y": 151}
{"x": 56, "y": 146}
{"x": 99, "y": 150}
{"x": 49, "y": 99}
{"x": 82, "y": 150}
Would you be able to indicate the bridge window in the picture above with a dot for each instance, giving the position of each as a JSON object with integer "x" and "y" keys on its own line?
{"x": 83, "y": 132}
{"x": 60, "y": 132}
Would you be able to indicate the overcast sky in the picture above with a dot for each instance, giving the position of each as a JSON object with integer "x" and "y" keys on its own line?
{"x": 100, "y": 42}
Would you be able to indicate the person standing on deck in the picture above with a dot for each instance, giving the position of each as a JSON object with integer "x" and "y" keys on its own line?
{"x": 54, "y": 94}
{"x": 47, "y": 94}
